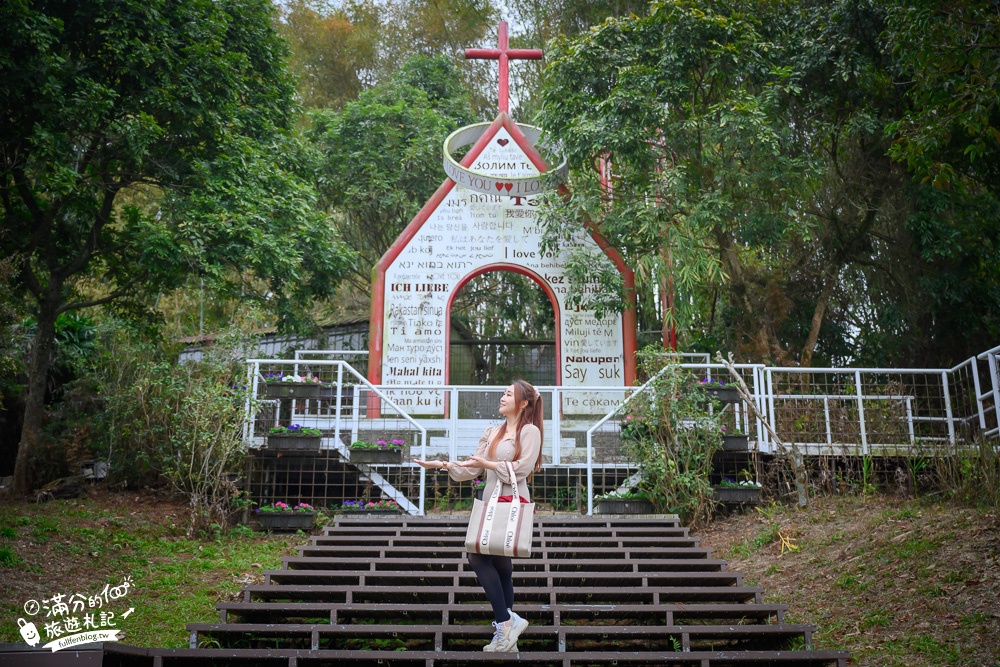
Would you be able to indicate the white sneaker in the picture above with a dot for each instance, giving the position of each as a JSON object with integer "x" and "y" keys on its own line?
{"x": 497, "y": 634}
{"x": 509, "y": 632}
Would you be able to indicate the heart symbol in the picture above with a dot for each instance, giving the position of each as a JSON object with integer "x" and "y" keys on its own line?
{"x": 499, "y": 186}
{"x": 508, "y": 186}
{"x": 503, "y": 142}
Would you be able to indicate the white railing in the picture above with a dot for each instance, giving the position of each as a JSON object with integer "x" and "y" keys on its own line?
{"x": 340, "y": 375}
{"x": 991, "y": 358}
{"x": 821, "y": 411}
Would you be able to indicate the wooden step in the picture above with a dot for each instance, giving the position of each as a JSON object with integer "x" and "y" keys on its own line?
{"x": 534, "y": 564}
{"x": 596, "y": 592}
{"x": 557, "y": 581}
{"x": 133, "y": 656}
{"x": 681, "y": 613}
{"x": 472, "y": 637}
{"x": 538, "y": 595}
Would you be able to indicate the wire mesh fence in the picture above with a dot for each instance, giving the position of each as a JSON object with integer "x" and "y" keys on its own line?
{"x": 875, "y": 411}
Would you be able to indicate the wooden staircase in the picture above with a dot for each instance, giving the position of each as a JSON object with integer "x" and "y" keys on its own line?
{"x": 393, "y": 592}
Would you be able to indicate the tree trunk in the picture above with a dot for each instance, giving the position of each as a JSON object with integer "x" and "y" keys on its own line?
{"x": 765, "y": 343}
{"x": 34, "y": 409}
{"x": 817, "y": 322}
{"x": 667, "y": 294}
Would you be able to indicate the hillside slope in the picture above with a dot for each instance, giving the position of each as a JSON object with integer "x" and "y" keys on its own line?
{"x": 896, "y": 582}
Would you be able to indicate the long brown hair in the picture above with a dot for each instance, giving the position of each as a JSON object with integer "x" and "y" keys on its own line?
{"x": 531, "y": 414}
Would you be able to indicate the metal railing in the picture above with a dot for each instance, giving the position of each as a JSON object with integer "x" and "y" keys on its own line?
{"x": 338, "y": 405}
{"x": 820, "y": 411}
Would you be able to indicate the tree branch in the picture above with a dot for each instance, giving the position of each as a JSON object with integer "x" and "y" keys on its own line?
{"x": 76, "y": 305}
{"x": 88, "y": 250}
{"x": 794, "y": 456}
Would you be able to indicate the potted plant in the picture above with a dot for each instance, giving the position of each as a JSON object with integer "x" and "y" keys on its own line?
{"x": 624, "y": 502}
{"x": 735, "y": 441}
{"x": 379, "y": 451}
{"x": 278, "y": 385}
{"x": 732, "y": 492}
{"x": 281, "y": 516}
{"x": 477, "y": 487}
{"x": 386, "y": 507}
{"x": 294, "y": 438}
{"x": 726, "y": 393}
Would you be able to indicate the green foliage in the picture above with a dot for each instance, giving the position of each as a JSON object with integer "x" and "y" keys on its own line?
{"x": 8, "y": 558}
{"x": 11, "y": 337}
{"x": 947, "y": 53}
{"x": 83, "y": 127}
{"x": 969, "y": 475}
{"x": 145, "y": 142}
{"x": 736, "y": 133}
{"x": 183, "y": 422}
{"x": 329, "y": 50}
{"x": 671, "y": 432}
{"x": 686, "y": 106}
{"x": 378, "y": 160}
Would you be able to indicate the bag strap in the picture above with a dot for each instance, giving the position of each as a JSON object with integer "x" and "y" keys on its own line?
{"x": 513, "y": 481}
{"x": 515, "y": 512}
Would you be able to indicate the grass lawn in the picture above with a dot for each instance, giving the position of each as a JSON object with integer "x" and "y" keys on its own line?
{"x": 77, "y": 547}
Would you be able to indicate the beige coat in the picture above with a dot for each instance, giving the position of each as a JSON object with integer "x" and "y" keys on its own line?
{"x": 531, "y": 443}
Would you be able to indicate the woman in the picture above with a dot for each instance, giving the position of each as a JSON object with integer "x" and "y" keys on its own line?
{"x": 518, "y": 440}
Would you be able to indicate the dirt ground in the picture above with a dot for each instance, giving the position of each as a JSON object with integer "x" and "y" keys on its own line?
{"x": 894, "y": 581}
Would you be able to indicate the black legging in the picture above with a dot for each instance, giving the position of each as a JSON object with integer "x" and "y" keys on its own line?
{"x": 496, "y": 576}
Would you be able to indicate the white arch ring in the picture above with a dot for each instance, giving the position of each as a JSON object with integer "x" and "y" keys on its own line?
{"x": 517, "y": 186}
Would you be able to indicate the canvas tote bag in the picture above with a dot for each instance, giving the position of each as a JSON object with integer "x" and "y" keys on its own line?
{"x": 501, "y": 529}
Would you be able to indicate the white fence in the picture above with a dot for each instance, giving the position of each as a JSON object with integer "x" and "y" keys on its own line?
{"x": 822, "y": 411}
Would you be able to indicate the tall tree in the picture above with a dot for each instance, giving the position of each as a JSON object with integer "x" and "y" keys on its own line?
{"x": 341, "y": 47}
{"x": 536, "y": 22}
{"x": 748, "y": 152}
{"x": 334, "y": 50}
{"x": 183, "y": 102}
{"x": 379, "y": 159}
{"x": 947, "y": 57}
{"x": 683, "y": 106}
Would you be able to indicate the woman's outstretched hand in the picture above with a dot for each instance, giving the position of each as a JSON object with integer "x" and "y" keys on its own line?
{"x": 431, "y": 465}
{"x": 477, "y": 462}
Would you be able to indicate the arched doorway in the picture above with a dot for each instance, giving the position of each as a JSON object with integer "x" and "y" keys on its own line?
{"x": 502, "y": 326}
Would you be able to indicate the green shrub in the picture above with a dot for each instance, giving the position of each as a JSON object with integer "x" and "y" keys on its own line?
{"x": 182, "y": 422}
{"x": 671, "y": 431}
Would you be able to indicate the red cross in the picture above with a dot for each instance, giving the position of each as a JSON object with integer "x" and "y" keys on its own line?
{"x": 503, "y": 54}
